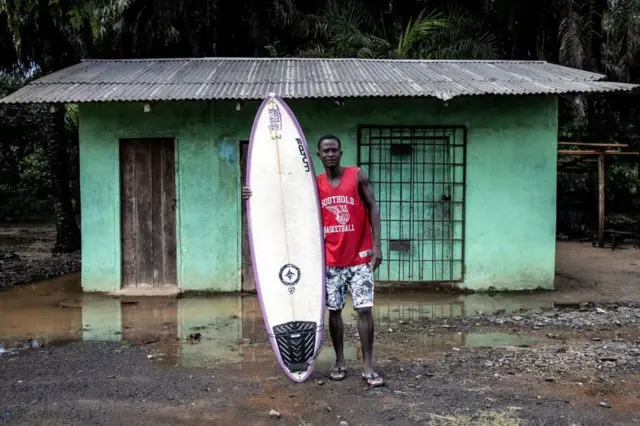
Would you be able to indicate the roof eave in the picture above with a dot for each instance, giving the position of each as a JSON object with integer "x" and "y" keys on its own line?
{"x": 18, "y": 98}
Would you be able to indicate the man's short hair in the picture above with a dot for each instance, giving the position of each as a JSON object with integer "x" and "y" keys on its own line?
{"x": 329, "y": 137}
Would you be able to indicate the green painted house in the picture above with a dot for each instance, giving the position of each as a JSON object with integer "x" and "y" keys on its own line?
{"x": 462, "y": 156}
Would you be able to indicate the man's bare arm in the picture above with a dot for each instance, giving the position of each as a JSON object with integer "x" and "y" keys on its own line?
{"x": 369, "y": 199}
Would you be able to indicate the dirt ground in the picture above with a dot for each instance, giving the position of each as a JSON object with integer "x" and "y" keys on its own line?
{"x": 571, "y": 358}
{"x": 592, "y": 381}
{"x": 25, "y": 255}
{"x": 586, "y": 272}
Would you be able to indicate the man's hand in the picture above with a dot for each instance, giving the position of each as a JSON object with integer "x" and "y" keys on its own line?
{"x": 246, "y": 193}
{"x": 376, "y": 258}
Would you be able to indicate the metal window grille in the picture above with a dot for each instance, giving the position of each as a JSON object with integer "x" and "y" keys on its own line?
{"x": 418, "y": 175}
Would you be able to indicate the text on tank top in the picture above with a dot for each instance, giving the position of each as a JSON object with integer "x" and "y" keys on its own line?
{"x": 347, "y": 231}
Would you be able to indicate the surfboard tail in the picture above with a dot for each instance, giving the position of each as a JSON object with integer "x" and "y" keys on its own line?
{"x": 297, "y": 344}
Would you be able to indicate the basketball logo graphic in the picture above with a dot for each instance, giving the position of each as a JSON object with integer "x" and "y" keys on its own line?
{"x": 341, "y": 213}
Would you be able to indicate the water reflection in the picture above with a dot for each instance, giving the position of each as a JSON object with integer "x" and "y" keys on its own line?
{"x": 202, "y": 331}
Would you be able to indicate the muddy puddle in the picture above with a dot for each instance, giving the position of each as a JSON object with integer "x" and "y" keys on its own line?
{"x": 198, "y": 331}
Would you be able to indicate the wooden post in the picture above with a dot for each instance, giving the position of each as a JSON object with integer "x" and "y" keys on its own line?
{"x": 601, "y": 149}
{"x": 601, "y": 200}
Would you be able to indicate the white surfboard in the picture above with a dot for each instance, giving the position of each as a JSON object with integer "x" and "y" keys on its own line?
{"x": 286, "y": 237}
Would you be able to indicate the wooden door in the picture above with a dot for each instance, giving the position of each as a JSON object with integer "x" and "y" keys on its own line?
{"x": 248, "y": 282}
{"x": 147, "y": 208}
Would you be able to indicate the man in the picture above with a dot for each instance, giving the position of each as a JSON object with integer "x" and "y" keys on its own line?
{"x": 352, "y": 251}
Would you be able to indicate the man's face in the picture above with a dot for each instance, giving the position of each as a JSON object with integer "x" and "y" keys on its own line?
{"x": 329, "y": 153}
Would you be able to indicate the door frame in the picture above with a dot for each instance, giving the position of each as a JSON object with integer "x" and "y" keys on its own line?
{"x": 244, "y": 244}
{"x": 118, "y": 208}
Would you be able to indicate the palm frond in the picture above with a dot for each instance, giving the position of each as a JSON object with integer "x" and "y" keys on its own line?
{"x": 417, "y": 31}
{"x": 573, "y": 52}
{"x": 72, "y": 121}
{"x": 458, "y": 36}
{"x": 621, "y": 25}
{"x": 345, "y": 29}
{"x": 312, "y": 51}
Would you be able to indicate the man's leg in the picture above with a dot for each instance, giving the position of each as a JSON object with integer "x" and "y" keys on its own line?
{"x": 362, "y": 293}
{"x": 365, "y": 330}
{"x": 336, "y": 329}
{"x": 336, "y": 299}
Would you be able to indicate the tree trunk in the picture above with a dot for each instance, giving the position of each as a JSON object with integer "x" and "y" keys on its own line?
{"x": 67, "y": 231}
{"x": 57, "y": 53}
{"x": 598, "y": 8}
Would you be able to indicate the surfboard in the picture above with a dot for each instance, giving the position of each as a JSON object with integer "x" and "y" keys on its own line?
{"x": 286, "y": 237}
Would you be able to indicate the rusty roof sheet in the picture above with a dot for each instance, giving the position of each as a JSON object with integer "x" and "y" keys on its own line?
{"x": 254, "y": 78}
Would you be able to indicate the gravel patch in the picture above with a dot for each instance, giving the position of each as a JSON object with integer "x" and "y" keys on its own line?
{"x": 609, "y": 357}
{"x": 23, "y": 269}
{"x": 589, "y": 316}
{"x": 115, "y": 383}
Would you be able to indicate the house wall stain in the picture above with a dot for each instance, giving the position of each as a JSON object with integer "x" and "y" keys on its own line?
{"x": 228, "y": 152}
{"x": 510, "y": 181}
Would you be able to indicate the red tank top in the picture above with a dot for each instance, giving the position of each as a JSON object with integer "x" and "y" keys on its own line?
{"x": 347, "y": 233}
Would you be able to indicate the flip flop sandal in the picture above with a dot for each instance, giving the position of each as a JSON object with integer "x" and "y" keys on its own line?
{"x": 373, "y": 379}
{"x": 338, "y": 373}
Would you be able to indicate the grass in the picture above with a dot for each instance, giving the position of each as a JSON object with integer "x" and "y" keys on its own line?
{"x": 484, "y": 418}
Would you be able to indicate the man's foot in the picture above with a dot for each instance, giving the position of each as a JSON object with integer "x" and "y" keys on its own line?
{"x": 338, "y": 373}
{"x": 373, "y": 379}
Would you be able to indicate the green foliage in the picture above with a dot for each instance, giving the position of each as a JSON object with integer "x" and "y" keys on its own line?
{"x": 595, "y": 35}
{"x": 348, "y": 29}
{"x": 24, "y": 183}
{"x": 609, "y": 122}
{"x": 418, "y": 32}
{"x": 458, "y": 36}
{"x": 343, "y": 30}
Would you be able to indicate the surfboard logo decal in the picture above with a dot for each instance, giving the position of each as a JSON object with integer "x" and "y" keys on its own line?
{"x": 290, "y": 276}
{"x": 275, "y": 120}
{"x": 303, "y": 153}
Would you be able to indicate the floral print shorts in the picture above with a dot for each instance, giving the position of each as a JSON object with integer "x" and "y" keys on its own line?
{"x": 358, "y": 279}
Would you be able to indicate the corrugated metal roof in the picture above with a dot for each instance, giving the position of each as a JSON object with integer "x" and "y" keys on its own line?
{"x": 253, "y": 78}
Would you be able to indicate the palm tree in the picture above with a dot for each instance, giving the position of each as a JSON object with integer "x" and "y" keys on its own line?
{"x": 8, "y": 55}
{"x": 342, "y": 30}
{"x": 621, "y": 26}
{"x": 348, "y": 29}
{"x": 454, "y": 35}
